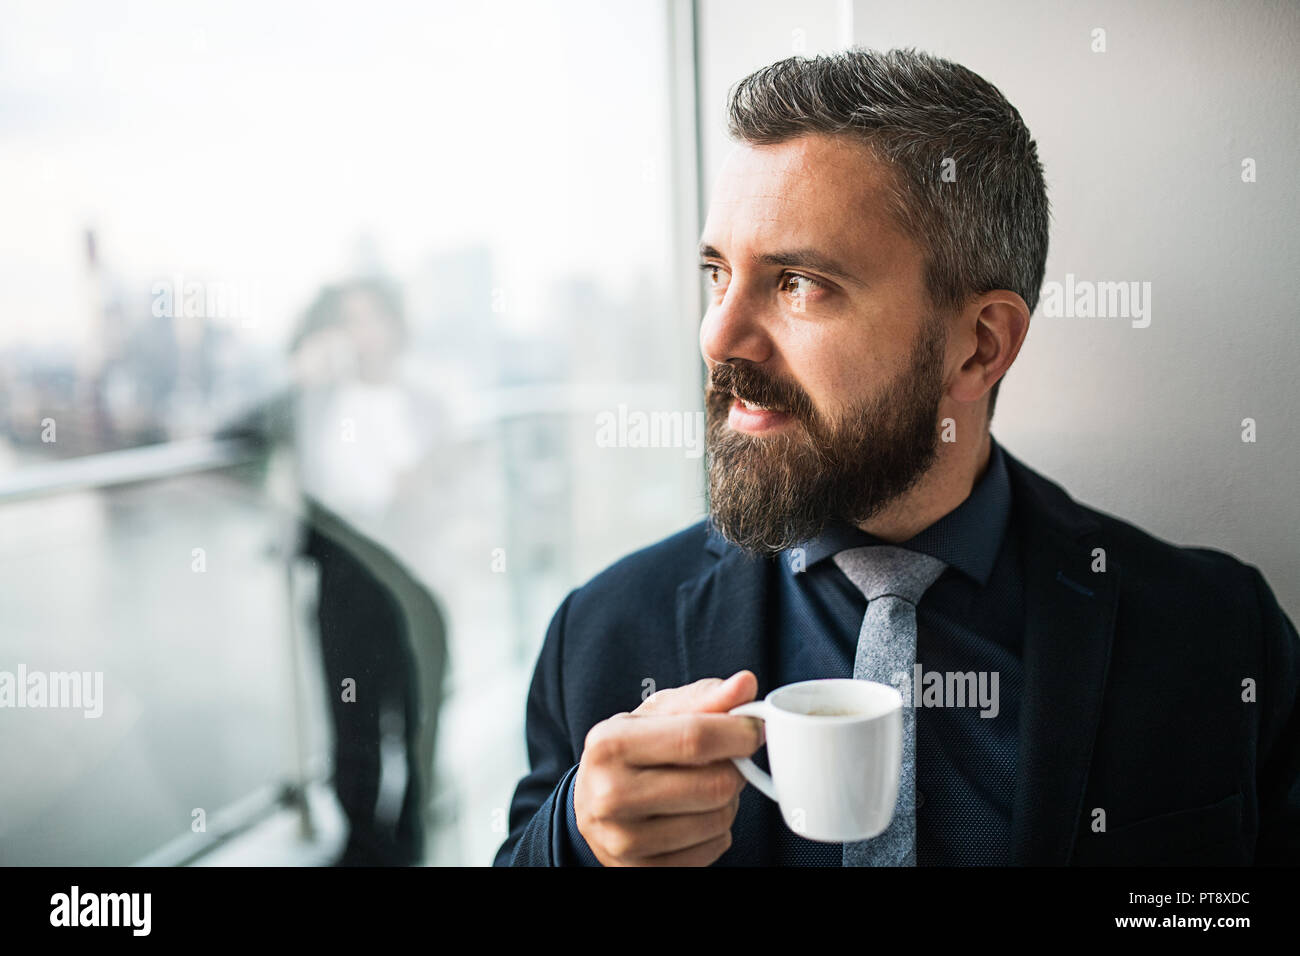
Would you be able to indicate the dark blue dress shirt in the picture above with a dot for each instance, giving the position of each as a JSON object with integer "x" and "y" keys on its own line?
{"x": 970, "y": 620}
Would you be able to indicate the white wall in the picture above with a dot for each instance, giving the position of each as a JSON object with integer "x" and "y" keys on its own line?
{"x": 1142, "y": 147}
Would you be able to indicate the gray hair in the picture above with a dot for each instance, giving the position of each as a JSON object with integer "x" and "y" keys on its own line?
{"x": 921, "y": 115}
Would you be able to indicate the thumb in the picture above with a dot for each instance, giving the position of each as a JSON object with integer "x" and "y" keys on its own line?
{"x": 710, "y": 695}
{"x": 719, "y": 698}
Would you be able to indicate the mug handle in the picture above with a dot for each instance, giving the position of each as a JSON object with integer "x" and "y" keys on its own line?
{"x": 748, "y": 769}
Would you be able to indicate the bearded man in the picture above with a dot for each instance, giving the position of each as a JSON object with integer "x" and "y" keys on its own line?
{"x": 873, "y": 252}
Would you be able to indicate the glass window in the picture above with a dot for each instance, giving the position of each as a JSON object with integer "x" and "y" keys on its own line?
{"x": 319, "y": 321}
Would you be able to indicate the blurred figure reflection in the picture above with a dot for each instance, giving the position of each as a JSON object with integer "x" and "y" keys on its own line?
{"x": 359, "y": 433}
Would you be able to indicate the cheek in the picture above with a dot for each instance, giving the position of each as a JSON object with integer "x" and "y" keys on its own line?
{"x": 820, "y": 368}
{"x": 847, "y": 374}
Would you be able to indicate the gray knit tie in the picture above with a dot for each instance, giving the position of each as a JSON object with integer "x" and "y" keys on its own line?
{"x": 893, "y": 580}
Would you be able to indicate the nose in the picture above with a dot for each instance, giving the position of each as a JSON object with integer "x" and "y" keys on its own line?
{"x": 734, "y": 329}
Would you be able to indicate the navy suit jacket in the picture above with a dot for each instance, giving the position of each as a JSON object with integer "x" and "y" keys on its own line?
{"x": 1133, "y": 697}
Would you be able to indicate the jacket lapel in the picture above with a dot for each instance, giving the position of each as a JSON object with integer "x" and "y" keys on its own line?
{"x": 722, "y": 627}
{"x": 722, "y": 617}
{"x": 1069, "y": 626}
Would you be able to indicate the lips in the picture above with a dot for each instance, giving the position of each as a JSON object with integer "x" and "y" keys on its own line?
{"x": 754, "y": 418}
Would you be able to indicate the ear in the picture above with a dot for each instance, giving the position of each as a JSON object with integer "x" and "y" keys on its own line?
{"x": 991, "y": 331}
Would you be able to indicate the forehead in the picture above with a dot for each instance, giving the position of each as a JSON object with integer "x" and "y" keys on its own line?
{"x": 814, "y": 191}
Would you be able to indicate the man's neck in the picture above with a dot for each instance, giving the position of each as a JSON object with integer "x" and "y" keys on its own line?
{"x": 949, "y": 482}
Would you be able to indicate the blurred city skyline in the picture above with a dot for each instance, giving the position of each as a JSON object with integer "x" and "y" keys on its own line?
{"x": 276, "y": 146}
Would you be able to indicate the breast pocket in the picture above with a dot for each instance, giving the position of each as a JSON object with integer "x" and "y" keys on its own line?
{"x": 1210, "y": 835}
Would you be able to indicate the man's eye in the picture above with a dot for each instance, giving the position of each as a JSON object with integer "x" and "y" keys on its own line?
{"x": 712, "y": 273}
{"x": 794, "y": 284}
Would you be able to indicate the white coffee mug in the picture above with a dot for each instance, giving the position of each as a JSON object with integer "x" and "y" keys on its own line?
{"x": 834, "y": 747}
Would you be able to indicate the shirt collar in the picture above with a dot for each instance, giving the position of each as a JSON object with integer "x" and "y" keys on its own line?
{"x": 967, "y": 538}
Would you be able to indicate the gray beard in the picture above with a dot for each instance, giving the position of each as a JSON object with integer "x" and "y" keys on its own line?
{"x": 771, "y": 493}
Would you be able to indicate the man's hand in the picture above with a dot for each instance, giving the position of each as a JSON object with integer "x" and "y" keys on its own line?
{"x": 656, "y": 787}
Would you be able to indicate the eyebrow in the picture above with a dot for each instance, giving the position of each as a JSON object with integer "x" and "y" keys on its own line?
{"x": 795, "y": 259}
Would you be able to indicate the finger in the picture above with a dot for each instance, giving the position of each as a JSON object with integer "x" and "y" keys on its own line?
{"x": 710, "y": 695}
{"x": 702, "y": 854}
{"x": 656, "y": 791}
{"x": 659, "y": 835}
{"x": 681, "y": 739}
